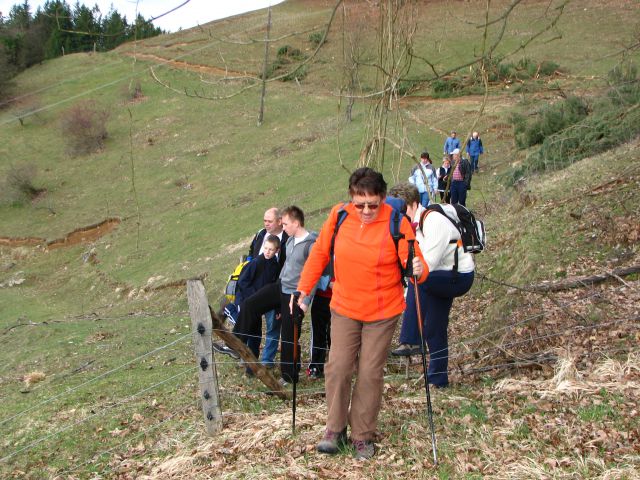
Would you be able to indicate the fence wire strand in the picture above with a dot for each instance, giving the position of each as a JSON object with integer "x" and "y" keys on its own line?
{"x": 93, "y": 380}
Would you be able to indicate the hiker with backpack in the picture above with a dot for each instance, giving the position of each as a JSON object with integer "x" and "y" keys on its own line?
{"x": 424, "y": 178}
{"x": 460, "y": 178}
{"x": 258, "y": 272}
{"x": 368, "y": 262}
{"x": 276, "y": 296}
{"x": 440, "y": 234}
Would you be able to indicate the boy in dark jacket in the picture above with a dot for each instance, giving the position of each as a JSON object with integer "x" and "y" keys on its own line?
{"x": 260, "y": 271}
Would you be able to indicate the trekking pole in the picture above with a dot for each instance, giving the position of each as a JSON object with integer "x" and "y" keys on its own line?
{"x": 409, "y": 273}
{"x": 295, "y": 316}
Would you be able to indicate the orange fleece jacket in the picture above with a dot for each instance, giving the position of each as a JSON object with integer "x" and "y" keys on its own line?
{"x": 367, "y": 276}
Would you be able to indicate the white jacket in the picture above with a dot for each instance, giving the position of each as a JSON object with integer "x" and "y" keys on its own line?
{"x": 434, "y": 239}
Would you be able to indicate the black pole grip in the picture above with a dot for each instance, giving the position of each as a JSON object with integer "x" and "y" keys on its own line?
{"x": 408, "y": 269}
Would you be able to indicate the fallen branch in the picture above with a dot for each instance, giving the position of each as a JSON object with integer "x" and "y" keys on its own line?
{"x": 535, "y": 361}
{"x": 28, "y": 324}
{"x": 233, "y": 342}
{"x": 578, "y": 282}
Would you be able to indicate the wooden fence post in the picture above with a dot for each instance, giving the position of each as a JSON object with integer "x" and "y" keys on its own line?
{"x": 202, "y": 327}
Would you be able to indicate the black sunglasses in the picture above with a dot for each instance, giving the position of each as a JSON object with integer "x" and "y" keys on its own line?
{"x": 372, "y": 206}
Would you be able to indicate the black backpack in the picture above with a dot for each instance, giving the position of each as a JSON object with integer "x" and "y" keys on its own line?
{"x": 472, "y": 233}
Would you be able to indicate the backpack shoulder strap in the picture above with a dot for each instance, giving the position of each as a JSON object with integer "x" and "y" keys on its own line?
{"x": 342, "y": 214}
{"x": 434, "y": 207}
{"x": 396, "y": 235}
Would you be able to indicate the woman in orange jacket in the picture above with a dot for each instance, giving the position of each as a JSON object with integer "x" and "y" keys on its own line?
{"x": 366, "y": 305}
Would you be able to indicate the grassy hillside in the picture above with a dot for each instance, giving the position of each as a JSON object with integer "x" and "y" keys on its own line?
{"x": 187, "y": 180}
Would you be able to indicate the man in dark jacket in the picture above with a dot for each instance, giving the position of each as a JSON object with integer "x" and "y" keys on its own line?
{"x": 460, "y": 178}
{"x": 272, "y": 226}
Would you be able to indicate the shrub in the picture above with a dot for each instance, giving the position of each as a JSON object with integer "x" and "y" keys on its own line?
{"x": 286, "y": 57}
{"x": 548, "y": 68}
{"x": 297, "y": 74}
{"x": 447, "y": 87}
{"x": 20, "y": 184}
{"x": 84, "y": 128}
{"x": 132, "y": 91}
{"x": 407, "y": 86}
{"x": 581, "y": 132}
{"x": 316, "y": 37}
{"x": 550, "y": 120}
{"x": 624, "y": 83}
{"x": 524, "y": 69}
{"x": 290, "y": 52}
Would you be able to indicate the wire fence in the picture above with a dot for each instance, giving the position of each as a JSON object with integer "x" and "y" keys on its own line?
{"x": 93, "y": 380}
{"x": 310, "y": 390}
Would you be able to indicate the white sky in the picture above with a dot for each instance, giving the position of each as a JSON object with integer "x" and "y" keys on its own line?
{"x": 196, "y": 12}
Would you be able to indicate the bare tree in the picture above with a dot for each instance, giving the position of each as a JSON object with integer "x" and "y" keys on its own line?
{"x": 264, "y": 69}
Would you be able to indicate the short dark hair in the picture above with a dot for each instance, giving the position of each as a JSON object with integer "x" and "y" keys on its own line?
{"x": 274, "y": 240}
{"x": 425, "y": 154}
{"x": 406, "y": 191}
{"x": 366, "y": 181}
{"x": 294, "y": 213}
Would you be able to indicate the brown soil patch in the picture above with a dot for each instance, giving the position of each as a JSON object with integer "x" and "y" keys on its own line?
{"x": 79, "y": 235}
{"x": 21, "y": 241}
{"x": 193, "y": 67}
{"x": 85, "y": 234}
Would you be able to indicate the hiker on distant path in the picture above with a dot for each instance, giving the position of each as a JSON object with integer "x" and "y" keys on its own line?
{"x": 437, "y": 237}
{"x": 366, "y": 304}
{"x": 443, "y": 177}
{"x": 451, "y": 143}
{"x": 278, "y": 295}
{"x": 272, "y": 226}
{"x": 460, "y": 178}
{"x": 474, "y": 150}
{"x": 424, "y": 178}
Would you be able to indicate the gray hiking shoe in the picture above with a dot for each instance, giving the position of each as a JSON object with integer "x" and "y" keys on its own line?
{"x": 283, "y": 383}
{"x": 220, "y": 347}
{"x": 363, "y": 449}
{"x": 406, "y": 350}
{"x": 332, "y": 441}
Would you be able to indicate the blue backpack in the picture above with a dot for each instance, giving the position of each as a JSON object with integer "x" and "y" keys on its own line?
{"x": 399, "y": 208}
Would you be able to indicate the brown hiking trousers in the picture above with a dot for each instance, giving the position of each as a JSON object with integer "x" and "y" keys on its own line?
{"x": 361, "y": 348}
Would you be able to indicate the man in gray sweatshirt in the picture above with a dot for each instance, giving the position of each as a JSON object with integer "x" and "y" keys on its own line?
{"x": 278, "y": 295}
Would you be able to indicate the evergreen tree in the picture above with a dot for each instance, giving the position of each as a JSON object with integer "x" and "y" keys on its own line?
{"x": 86, "y": 27}
{"x": 114, "y": 28}
{"x": 59, "y": 26}
{"x": 7, "y": 70}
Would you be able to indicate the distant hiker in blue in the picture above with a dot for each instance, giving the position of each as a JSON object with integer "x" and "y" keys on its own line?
{"x": 425, "y": 180}
{"x": 451, "y": 143}
{"x": 475, "y": 149}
